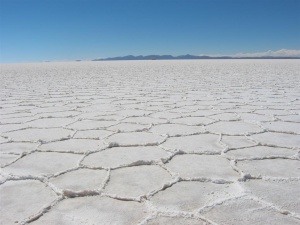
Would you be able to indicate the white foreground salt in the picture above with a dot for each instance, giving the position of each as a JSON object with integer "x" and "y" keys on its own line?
{"x": 150, "y": 142}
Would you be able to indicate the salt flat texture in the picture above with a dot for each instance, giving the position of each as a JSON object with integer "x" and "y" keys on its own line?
{"x": 150, "y": 142}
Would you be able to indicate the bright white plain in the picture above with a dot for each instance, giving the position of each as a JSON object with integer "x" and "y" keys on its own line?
{"x": 150, "y": 142}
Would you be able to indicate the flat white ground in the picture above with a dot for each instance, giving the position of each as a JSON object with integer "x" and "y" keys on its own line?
{"x": 150, "y": 142}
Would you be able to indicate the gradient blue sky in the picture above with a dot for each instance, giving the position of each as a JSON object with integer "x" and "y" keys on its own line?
{"x": 37, "y": 30}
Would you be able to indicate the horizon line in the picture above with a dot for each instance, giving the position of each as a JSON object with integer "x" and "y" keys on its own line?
{"x": 279, "y": 54}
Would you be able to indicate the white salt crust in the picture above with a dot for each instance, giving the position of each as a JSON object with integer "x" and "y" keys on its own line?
{"x": 150, "y": 142}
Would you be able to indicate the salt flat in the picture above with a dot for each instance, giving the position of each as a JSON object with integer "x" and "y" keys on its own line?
{"x": 150, "y": 142}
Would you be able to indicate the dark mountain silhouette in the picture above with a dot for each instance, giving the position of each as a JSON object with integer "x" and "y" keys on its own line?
{"x": 168, "y": 57}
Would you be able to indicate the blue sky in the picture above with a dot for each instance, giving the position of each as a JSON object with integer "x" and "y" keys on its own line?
{"x": 55, "y": 30}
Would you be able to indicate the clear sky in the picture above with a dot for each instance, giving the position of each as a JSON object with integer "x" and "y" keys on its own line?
{"x": 55, "y": 30}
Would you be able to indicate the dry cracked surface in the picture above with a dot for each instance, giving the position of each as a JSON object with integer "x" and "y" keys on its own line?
{"x": 150, "y": 142}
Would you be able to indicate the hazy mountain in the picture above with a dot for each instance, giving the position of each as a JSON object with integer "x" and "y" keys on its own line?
{"x": 168, "y": 57}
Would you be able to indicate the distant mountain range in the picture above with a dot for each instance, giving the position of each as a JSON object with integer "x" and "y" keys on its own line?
{"x": 168, "y": 57}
